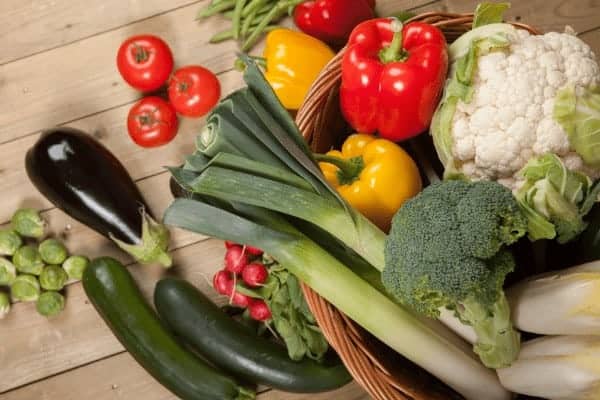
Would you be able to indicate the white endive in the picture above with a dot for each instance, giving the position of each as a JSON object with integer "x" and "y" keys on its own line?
{"x": 564, "y": 302}
{"x": 556, "y": 368}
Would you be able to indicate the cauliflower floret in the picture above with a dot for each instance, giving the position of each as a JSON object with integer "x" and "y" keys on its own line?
{"x": 510, "y": 117}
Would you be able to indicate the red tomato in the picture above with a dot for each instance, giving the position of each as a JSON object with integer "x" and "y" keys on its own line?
{"x": 145, "y": 62}
{"x": 152, "y": 122}
{"x": 194, "y": 91}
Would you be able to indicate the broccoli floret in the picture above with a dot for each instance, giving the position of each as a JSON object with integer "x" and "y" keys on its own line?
{"x": 447, "y": 249}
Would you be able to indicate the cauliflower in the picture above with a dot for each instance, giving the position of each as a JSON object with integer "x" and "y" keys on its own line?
{"x": 513, "y": 98}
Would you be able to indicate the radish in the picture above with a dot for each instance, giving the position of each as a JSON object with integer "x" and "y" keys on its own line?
{"x": 223, "y": 283}
{"x": 229, "y": 244}
{"x": 253, "y": 251}
{"x": 259, "y": 310}
{"x": 255, "y": 274}
{"x": 235, "y": 260}
{"x": 241, "y": 300}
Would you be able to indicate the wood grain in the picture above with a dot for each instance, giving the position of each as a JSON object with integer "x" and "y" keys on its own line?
{"x": 33, "y": 347}
{"x": 28, "y": 27}
{"x": 391, "y": 7}
{"x": 593, "y": 39}
{"x": 81, "y": 79}
{"x": 109, "y": 128}
{"x": 547, "y": 15}
{"x": 119, "y": 377}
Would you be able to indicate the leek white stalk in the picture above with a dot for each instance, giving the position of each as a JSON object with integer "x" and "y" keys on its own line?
{"x": 564, "y": 302}
{"x": 454, "y": 364}
{"x": 556, "y": 368}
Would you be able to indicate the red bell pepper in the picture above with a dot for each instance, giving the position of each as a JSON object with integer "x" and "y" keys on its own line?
{"x": 332, "y": 21}
{"x": 392, "y": 77}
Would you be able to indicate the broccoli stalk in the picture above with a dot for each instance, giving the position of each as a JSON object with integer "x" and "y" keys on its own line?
{"x": 447, "y": 249}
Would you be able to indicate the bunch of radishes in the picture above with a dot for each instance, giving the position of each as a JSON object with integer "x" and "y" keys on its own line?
{"x": 243, "y": 262}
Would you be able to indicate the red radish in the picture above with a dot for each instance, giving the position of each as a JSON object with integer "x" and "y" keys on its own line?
{"x": 255, "y": 274}
{"x": 235, "y": 260}
{"x": 259, "y": 310}
{"x": 229, "y": 244}
{"x": 223, "y": 283}
{"x": 241, "y": 300}
{"x": 253, "y": 251}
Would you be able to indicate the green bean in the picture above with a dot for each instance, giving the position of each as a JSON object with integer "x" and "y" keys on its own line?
{"x": 237, "y": 18}
{"x": 213, "y": 9}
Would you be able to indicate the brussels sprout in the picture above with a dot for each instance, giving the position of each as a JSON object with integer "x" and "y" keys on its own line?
{"x": 53, "y": 252}
{"x": 10, "y": 241}
{"x": 28, "y": 260}
{"x": 27, "y": 222}
{"x": 50, "y": 304}
{"x": 75, "y": 265}
{"x": 8, "y": 272}
{"x": 4, "y": 305}
{"x": 53, "y": 277}
{"x": 25, "y": 288}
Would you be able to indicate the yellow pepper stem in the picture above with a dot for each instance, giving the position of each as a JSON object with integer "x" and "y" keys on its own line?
{"x": 394, "y": 52}
{"x": 349, "y": 169}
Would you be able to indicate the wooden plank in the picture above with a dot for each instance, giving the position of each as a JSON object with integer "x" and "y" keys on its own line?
{"x": 33, "y": 347}
{"x": 109, "y": 127}
{"x": 28, "y": 27}
{"x": 119, "y": 377}
{"x": 391, "y": 7}
{"x": 593, "y": 39}
{"x": 547, "y": 15}
{"x": 81, "y": 79}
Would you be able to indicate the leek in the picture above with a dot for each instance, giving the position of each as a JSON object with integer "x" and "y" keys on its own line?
{"x": 564, "y": 302}
{"x": 389, "y": 322}
{"x": 556, "y": 368}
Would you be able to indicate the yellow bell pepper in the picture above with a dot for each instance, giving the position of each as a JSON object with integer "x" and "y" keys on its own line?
{"x": 294, "y": 60}
{"x": 376, "y": 176}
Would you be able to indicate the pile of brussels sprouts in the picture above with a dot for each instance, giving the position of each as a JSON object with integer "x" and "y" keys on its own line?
{"x": 34, "y": 271}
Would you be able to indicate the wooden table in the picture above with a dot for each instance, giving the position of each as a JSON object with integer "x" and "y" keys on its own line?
{"x": 57, "y": 68}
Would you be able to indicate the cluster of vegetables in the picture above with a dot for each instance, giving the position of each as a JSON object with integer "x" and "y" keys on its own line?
{"x": 193, "y": 347}
{"x": 449, "y": 250}
{"x": 35, "y": 272}
{"x": 270, "y": 294}
{"x": 146, "y": 63}
{"x": 330, "y": 21}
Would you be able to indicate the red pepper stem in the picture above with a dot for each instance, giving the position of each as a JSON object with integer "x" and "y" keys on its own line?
{"x": 394, "y": 52}
{"x": 349, "y": 169}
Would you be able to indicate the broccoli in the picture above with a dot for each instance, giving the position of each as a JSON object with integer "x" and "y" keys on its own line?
{"x": 447, "y": 249}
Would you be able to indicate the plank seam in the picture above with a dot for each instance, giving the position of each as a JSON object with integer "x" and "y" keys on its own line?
{"x": 99, "y": 33}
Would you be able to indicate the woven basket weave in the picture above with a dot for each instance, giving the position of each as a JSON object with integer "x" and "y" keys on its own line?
{"x": 382, "y": 373}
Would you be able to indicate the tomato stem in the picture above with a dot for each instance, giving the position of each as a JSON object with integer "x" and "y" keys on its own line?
{"x": 394, "y": 52}
{"x": 141, "y": 54}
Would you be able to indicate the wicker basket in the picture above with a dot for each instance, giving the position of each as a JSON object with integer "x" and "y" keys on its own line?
{"x": 381, "y": 372}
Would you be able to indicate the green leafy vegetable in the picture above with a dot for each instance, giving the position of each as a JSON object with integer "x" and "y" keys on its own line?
{"x": 8, "y": 272}
{"x": 53, "y": 277}
{"x": 489, "y": 13}
{"x": 25, "y": 288}
{"x": 555, "y": 199}
{"x": 28, "y": 260}
{"x": 50, "y": 304}
{"x": 74, "y": 266}
{"x": 10, "y": 241}
{"x": 446, "y": 249}
{"x": 52, "y": 251}
{"x": 4, "y": 305}
{"x": 28, "y": 222}
{"x": 579, "y": 115}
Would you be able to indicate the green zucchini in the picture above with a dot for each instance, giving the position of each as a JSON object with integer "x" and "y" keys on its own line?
{"x": 113, "y": 292}
{"x": 225, "y": 343}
